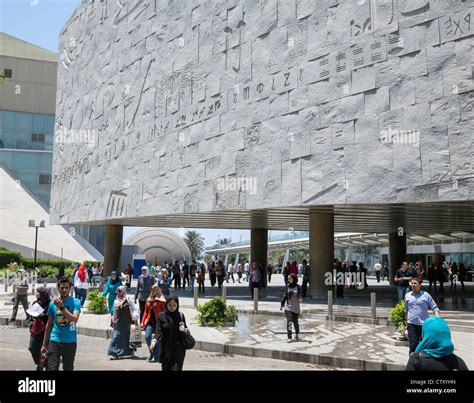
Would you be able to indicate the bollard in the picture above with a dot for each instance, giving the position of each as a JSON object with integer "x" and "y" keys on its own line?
{"x": 330, "y": 312}
{"x": 45, "y": 285}
{"x": 196, "y": 291}
{"x": 224, "y": 294}
{"x": 373, "y": 313}
{"x": 255, "y": 299}
{"x": 5, "y": 284}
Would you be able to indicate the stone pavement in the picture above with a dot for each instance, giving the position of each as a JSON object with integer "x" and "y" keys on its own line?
{"x": 346, "y": 342}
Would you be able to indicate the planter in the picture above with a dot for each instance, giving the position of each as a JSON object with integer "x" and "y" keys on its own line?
{"x": 47, "y": 280}
{"x": 225, "y": 324}
{"x": 94, "y": 313}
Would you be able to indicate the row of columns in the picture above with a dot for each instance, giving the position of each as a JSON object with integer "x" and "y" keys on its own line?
{"x": 321, "y": 249}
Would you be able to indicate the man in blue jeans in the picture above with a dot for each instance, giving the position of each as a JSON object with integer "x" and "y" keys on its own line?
{"x": 60, "y": 337}
{"x": 417, "y": 304}
{"x": 402, "y": 278}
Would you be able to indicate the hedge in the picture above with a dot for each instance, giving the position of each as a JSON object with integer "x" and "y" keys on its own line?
{"x": 29, "y": 263}
{"x": 7, "y": 255}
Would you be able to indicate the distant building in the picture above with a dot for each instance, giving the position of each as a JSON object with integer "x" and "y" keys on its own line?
{"x": 27, "y": 118}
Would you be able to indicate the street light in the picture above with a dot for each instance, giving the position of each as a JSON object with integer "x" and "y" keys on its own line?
{"x": 37, "y": 224}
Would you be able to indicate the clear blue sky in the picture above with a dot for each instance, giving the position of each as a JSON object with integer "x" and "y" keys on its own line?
{"x": 36, "y": 21}
{"x": 39, "y": 22}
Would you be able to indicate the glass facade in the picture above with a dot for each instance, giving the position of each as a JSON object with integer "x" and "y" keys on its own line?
{"x": 26, "y": 131}
{"x": 33, "y": 169}
{"x": 20, "y": 134}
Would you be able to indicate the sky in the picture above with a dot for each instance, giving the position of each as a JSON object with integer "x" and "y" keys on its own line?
{"x": 36, "y": 21}
{"x": 39, "y": 22}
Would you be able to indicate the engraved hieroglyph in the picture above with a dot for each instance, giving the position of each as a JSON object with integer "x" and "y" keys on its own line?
{"x": 310, "y": 99}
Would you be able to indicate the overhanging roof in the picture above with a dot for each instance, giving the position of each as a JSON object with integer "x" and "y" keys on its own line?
{"x": 414, "y": 218}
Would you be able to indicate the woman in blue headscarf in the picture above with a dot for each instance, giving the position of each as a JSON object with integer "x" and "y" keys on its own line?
{"x": 110, "y": 289}
{"x": 435, "y": 351}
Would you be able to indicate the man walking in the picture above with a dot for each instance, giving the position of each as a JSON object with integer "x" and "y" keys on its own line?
{"x": 60, "y": 337}
{"x": 402, "y": 278}
{"x": 21, "y": 293}
{"x": 417, "y": 304}
{"x": 377, "y": 268}
{"x": 305, "y": 270}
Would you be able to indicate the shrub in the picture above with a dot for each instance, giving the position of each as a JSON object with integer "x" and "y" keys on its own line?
{"x": 48, "y": 271}
{"x": 68, "y": 272}
{"x": 30, "y": 263}
{"x": 399, "y": 317}
{"x": 7, "y": 255}
{"x": 216, "y": 312}
{"x": 96, "y": 302}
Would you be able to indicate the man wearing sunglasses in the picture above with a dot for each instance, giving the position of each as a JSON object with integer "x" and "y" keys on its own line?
{"x": 60, "y": 338}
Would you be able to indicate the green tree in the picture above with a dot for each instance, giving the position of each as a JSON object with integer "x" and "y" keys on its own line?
{"x": 195, "y": 243}
{"x": 222, "y": 242}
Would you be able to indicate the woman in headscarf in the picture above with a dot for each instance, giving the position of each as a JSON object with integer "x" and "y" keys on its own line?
{"x": 154, "y": 305}
{"x": 36, "y": 339}
{"x": 170, "y": 326}
{"x": 81, "y": 284}
{"x": 255, "y": 277}
{"x": 144, "y": 283}
{"x": 435, "y": 351}
{"x": 291, "y": 304}
{"x": 125, "y": 313}
{"x": 110, "y": 289}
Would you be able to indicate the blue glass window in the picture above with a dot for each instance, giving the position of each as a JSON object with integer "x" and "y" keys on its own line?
{"x": 6, "y": 159}
{"x": 45, "y": 163}
{"x": 9, "y": 120}
{"x": 25, "y": 162}
{"x": 23, "y": 121}
{"x": 38, "y": 123}
{"x": 49, "y": 124}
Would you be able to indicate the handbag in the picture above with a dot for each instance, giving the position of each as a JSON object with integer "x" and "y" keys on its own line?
{"x": 188, "y": 339}
{"x": 37, "y": 327}
{"x": 135, "y": 337}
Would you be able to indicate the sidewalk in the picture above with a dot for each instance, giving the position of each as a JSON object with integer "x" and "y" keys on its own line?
{"x": 349, "y": 345}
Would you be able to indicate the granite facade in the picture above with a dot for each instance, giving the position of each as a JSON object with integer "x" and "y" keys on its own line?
{"x": 163, "y": 106}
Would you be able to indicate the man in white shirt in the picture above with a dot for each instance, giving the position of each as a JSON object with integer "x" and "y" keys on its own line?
{"x": 377, "y": 268}
{"x": 230, "y": 272}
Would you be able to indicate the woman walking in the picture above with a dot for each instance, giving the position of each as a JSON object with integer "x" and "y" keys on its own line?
{"x": 154, "y": 305}
{"x": 81, "y": 284}
{"x": 291, "y": 304}
{"x": 144, "y": 283}
{"x": 170, "y": 328}
{"x": 110, "y": 289}
{"x": 38, "y": 326}
{"x": 125, "y": 313}
{"x": 255, "y": 277}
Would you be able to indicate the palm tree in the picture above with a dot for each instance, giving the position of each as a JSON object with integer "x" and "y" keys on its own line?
{"x": 195, "y": 243}
{"x": 222, "y": 242}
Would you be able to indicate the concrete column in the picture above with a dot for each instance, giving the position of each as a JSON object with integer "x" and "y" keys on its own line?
{"x": 259, "y": 246}
{"x": 321, "y": 251}
{"x": 112, "y": 248}
{"x": 397, "y": 253}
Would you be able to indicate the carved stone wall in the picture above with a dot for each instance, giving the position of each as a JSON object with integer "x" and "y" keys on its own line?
{"x": 182, "y": 106}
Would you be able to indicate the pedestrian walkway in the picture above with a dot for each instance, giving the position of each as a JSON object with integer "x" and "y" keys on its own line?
{"x": 350, "y": 345}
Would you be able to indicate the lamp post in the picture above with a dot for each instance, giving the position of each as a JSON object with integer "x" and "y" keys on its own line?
{"x": 36, "y": 224}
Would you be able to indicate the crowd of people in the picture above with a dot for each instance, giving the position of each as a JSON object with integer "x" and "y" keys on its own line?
{"x": 154, "y": 311}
